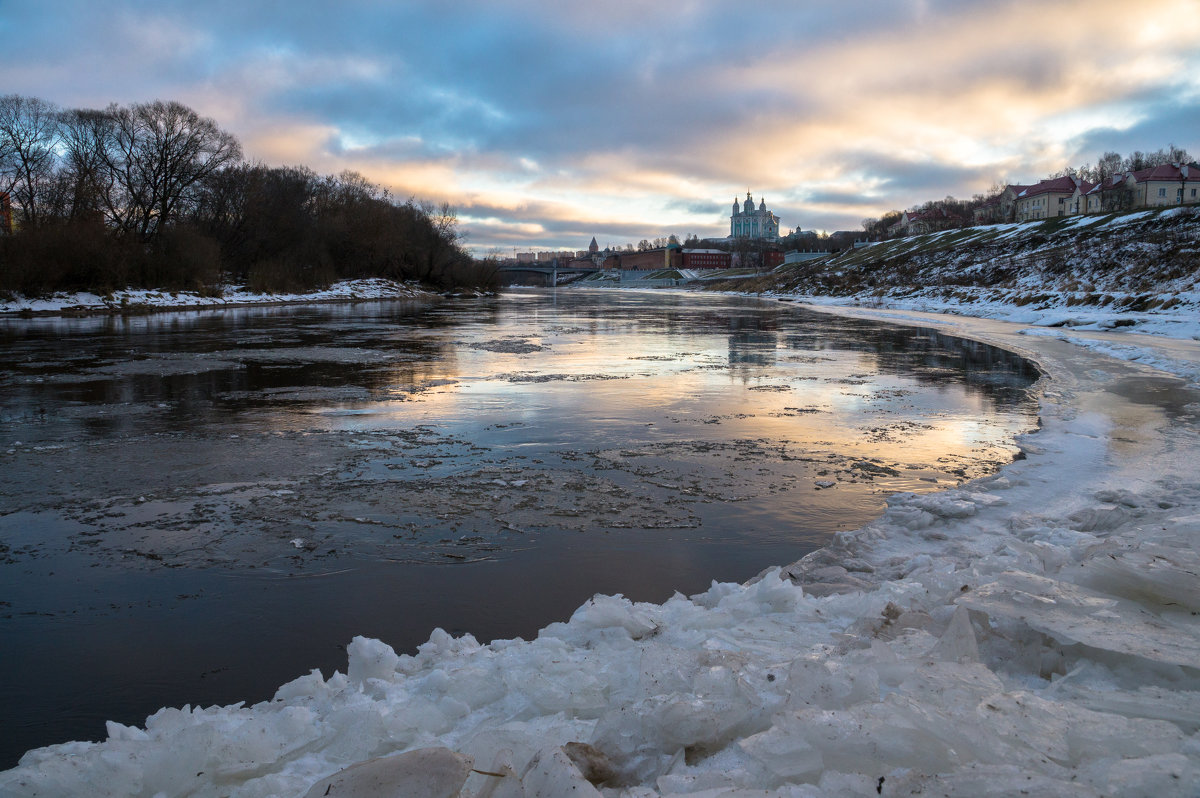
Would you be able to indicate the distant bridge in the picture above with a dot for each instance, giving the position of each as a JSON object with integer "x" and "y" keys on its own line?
{"x": 547, "y": 274}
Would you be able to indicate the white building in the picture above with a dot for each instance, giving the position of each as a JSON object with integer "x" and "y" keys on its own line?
{"x": 751, "y": 223}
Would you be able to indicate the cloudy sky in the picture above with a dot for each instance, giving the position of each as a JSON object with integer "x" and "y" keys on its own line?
{"x": 546, "y": 123}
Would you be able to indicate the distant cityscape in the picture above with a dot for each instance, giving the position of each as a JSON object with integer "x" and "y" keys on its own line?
{"x": 1140, "y": 180}
{"x": 753, "y": 242}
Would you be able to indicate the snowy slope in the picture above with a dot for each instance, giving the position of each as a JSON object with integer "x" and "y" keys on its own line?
{"x": 1139, "y": 270}
{"x": 1030, "y": 633}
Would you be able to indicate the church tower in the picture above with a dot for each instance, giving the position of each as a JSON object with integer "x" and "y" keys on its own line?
{"x": 746, "y": 222}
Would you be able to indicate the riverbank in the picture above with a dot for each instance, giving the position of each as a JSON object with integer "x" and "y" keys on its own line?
{"x": 1058, "y": 311}
{"x": 1134, "y": 271}
{"x": 1032, "y": 631}
{"x": 133, "y": 301}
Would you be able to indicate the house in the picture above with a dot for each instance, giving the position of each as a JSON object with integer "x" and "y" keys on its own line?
{"x": 1000, "y": 207}
{"x": 1077, "y": 203}
{"x": 1114, "y": 193}
{"x": 1059, "y": 196}
{"x": 1168, "y": 184}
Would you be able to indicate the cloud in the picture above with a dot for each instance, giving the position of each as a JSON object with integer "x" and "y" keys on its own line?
{"x": 1166, "y": 117}
{"x": 543, "y": 121}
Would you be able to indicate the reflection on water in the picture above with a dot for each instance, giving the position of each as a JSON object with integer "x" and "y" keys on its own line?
{"x": 200, "y": 506}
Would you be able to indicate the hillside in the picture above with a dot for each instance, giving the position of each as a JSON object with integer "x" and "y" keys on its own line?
{"x": 1104, "y": 270}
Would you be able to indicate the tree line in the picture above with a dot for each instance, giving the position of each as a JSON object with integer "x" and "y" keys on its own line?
{"x": 1113, "y": 163}
{"x": 953, "y": 212}
{"x": 153, "y": 195}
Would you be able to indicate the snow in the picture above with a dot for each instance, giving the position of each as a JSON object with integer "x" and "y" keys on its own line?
{"x": 1084, "y": 221}
{"x": 231, "y": 296}
{"x": 1090, "y": 272}
{"x": 1182, "y": 321}
{"x": 1033, "y": 632}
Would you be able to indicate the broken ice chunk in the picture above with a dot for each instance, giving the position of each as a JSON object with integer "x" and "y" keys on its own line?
{"x": 552, "y": 772}
{"x": 370, "y": 659}
{"x": 433, "y": 772}
{"x": 1149, "y": 574}
{"x": 1073, "y": 614}
{"x": 957, "y": 643}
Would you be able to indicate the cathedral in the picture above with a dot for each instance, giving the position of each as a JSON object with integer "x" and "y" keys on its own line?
{"x": 750, "y": 223}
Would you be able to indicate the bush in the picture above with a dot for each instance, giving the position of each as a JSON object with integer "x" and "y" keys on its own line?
{"x": 181, "y": 259}
{"x": 76, "y": 256}
{"x": 282, "y": 276}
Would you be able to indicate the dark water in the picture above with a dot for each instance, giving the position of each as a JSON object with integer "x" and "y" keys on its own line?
{"x": 198, "y": 507}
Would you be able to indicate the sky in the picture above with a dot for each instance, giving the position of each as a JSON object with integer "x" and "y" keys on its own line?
{"x": 546, "y": 123}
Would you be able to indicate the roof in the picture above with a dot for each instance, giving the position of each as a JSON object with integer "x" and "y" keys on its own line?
{"x": 1058, "y": 185}
{"x": 1171, "y": 172}
{"x": 1109, "y": 183}
{"x": 1188, "y": 173}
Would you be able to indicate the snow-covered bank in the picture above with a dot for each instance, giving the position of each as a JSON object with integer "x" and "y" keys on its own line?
{"x": 138, "y": 300}
{"x": 1130, "y": 271}
{"x": 1031, "y": 632}
{"x": 1056, "y": 311}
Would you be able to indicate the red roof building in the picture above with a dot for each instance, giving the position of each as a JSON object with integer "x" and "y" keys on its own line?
{"x": 1168, "y": 184}
{"x": 1059, "y": 196}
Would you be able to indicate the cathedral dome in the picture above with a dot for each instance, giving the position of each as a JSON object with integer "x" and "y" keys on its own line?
{"x": 747, "y": 221}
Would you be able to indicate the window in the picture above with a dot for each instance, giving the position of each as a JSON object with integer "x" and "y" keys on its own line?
{"x": 1162, "y": 192}
{"x": 1193, "y": 192}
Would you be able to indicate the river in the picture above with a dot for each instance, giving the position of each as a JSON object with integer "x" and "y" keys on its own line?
{"x": 197, "y": 507}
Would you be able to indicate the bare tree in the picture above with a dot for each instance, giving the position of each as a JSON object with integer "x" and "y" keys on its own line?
{"x": 442, "y": 246}
{"x": 83, "y": 135}
{"x": 1108, "y": 165}
{"x": 28, "y": 134}
{"x": 1176, "y": 154}
{"x": 157, "y": 153}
